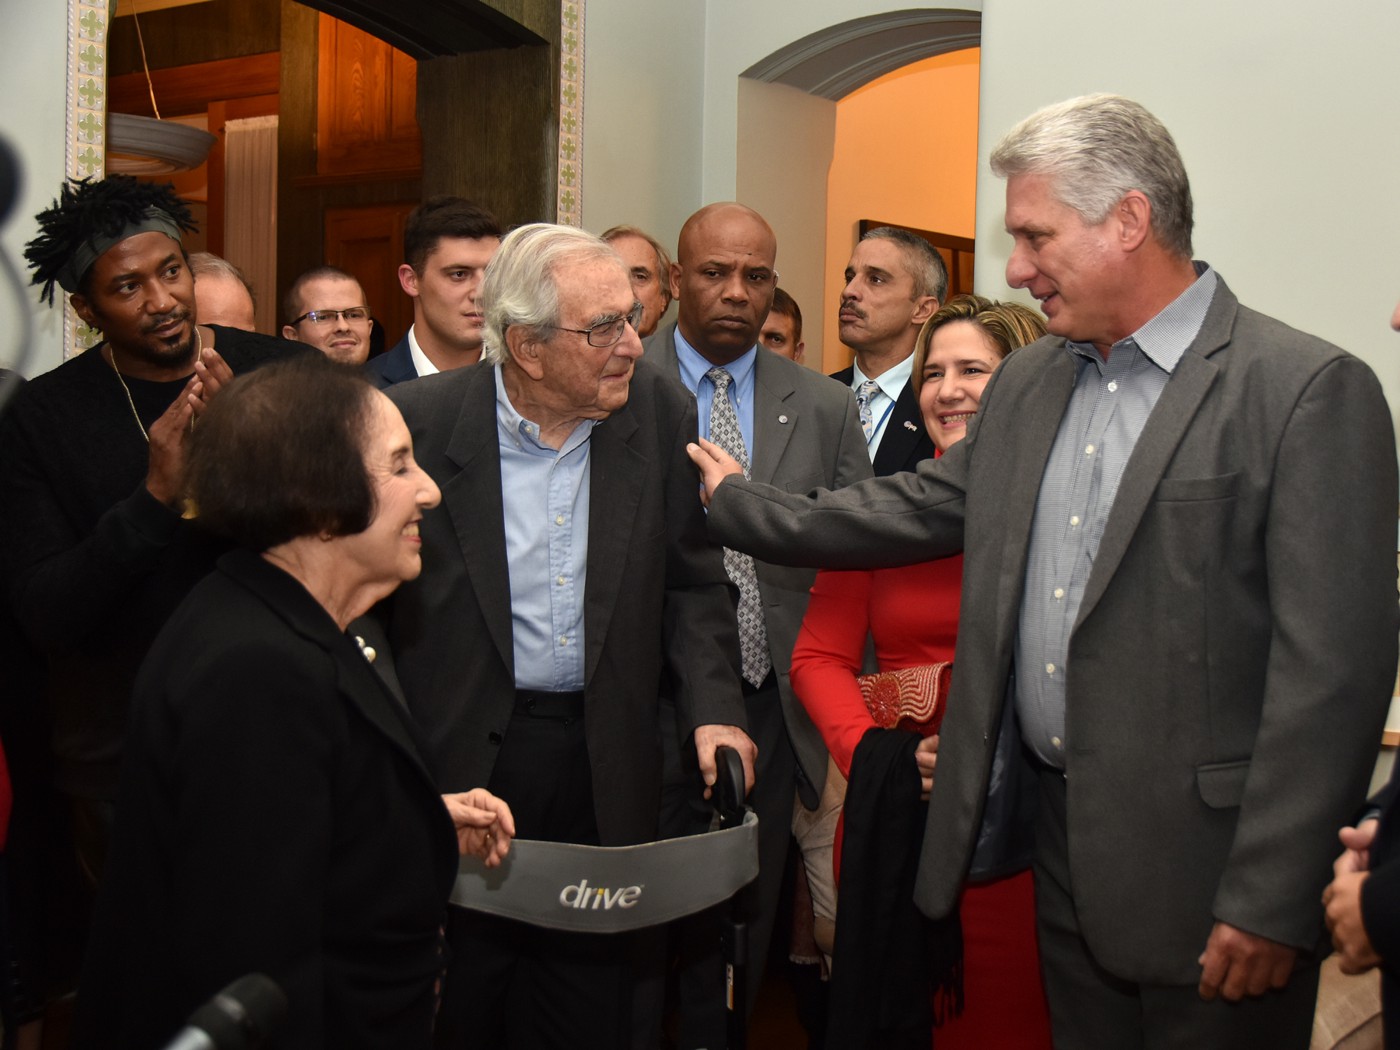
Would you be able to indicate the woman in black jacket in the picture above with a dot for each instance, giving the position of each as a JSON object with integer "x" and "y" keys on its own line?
{"x": 276, "y": 815}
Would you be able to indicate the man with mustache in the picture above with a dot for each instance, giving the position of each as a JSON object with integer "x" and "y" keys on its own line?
{"x": 895, "y": 282}
{"x": 95, "y": 551}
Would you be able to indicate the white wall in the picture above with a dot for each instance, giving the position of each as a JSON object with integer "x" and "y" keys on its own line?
{"x": 33, "y": 79}
{"x": 786, "y": 138}
{"x": 741, "y": 32}
{"x": 643, "y": 105}
{"x": 671, "y": 68}
{"x": 1287, "y": 118}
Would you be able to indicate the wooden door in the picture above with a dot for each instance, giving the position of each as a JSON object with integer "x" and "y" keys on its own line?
{"x": 367, "y": 243}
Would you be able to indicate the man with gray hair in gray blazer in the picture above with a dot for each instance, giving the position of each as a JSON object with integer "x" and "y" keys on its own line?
{"x": 1178, "y": 518}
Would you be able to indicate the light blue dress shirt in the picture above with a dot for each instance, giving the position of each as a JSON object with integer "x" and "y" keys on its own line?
{"x": 693, "y": 368}
{"x": 891, "y": 382}
{"x": 545, "y": 494}
{"x": 1107, "y": 411}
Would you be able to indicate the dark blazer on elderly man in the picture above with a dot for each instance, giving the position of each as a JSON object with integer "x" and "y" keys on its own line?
{"x": 658, "y": 606}
{"x": 1233, "y": 656}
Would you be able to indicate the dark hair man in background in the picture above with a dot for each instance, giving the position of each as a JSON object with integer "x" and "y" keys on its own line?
{"x": 96, "y": 553}
{"x": 447, "y": 242}
{"x": 782, "y": 329}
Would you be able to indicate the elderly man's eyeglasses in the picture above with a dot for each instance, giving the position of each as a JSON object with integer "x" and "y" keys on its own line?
{"x": 607, "y": 333}
{"x": 354, "y": 314}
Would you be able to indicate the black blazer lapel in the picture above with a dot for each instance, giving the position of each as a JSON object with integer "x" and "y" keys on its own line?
{"x": 905, "y": 440}
{"x": 355, "y": 678}
{"x": 473, "y": 501}
{"x": 617, "y": 473}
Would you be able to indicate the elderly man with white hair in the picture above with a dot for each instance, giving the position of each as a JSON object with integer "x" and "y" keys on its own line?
{"x": 568, "y": 584}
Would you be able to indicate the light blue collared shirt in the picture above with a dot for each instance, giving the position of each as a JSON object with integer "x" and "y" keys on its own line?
{"x": 891, "y": 383}
{"x": 693, "y": 368}
{"x": 1110, "y": 405}
{"x": 545, "y": 494}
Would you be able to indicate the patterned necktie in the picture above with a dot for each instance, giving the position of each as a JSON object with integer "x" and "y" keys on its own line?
{"x": 864, "y": 394}
{"x": 753, "y": 635}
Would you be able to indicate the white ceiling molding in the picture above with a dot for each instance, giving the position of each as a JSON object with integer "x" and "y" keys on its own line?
{"x": 836, "y": 61}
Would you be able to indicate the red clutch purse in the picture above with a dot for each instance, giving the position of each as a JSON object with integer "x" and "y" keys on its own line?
{"x": 911, "y": 698}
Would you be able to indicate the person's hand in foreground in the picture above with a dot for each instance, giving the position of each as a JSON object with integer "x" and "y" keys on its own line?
{"x": 484, "y": 824}
{"x": 709, "y": 737}
{"x": 1237, "y": 963}
{"x": 714, "y": 464}
{"x": 926, "y": 755}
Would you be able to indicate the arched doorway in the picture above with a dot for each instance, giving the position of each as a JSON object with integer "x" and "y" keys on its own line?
{"x": 787, "y": 108}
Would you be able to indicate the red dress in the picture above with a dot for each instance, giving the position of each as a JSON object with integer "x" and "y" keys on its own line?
{"x": 912, "y": 614}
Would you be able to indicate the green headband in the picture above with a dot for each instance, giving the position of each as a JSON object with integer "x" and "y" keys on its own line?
{"x": 71, "y": 274}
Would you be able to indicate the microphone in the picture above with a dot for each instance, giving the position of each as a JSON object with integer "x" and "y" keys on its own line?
{"x": 239, "y": 1018}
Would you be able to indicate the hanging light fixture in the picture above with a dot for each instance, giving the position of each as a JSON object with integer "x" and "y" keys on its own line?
{"x": 149, "y": 145}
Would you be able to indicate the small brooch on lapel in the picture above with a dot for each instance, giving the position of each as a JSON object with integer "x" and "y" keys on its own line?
{"x": 367, "y": 650}
{"x": 782, "y": 419}
{"x": 910, "y": 426}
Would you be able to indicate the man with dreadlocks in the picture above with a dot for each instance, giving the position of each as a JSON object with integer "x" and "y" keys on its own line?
{"x": 93, "y": 549}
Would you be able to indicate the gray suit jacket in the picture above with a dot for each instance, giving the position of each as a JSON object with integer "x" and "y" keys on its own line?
{"x": 1233, "y": 657}
{"x": 658, "y": 606}
{"x": 806, "y": 435}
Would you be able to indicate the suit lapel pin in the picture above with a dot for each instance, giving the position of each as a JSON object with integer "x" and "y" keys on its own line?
{"x": 910, "y": 426}
{"x": 782, "y": 419}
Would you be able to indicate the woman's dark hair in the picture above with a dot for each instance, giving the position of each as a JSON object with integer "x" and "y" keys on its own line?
{"x": 280, "y": 454}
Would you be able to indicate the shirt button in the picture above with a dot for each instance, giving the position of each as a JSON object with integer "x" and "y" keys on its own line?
{"x": 559, "y": 519}
{"x": 1088, "y": 450}
{"x": 1074, "y": 520}
{"x": 1049, "y": 668}
{"x": 559, "y": 580}
{"x": 1057, "y": 742}
{"x": 1059, "y": 592}
{"x": 1112, "y": 387}
{"x": 563, "y": 639}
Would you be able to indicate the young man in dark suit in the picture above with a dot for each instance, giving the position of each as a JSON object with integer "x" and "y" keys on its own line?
{"x": 447, "y": 242}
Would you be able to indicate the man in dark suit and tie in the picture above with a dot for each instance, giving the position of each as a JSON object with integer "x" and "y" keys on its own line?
{"x": 1178, "y": 523}
{"x": 795, "y": 429}
{"x": 895, "y": 282}
{"x": 447, "y": 242}
{"x": 568, "y": 584}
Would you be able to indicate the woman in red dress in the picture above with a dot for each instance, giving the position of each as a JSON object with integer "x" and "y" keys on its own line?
{"x": 911, "y": 614}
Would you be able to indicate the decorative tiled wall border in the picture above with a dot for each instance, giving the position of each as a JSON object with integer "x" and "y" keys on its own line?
{"x": 85, "y": 143}
{"x": 569, "y": 200}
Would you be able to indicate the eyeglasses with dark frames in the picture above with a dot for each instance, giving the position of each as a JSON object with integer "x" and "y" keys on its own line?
{"x": 607, "y": 333}
{"x": 355, "y": 313}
